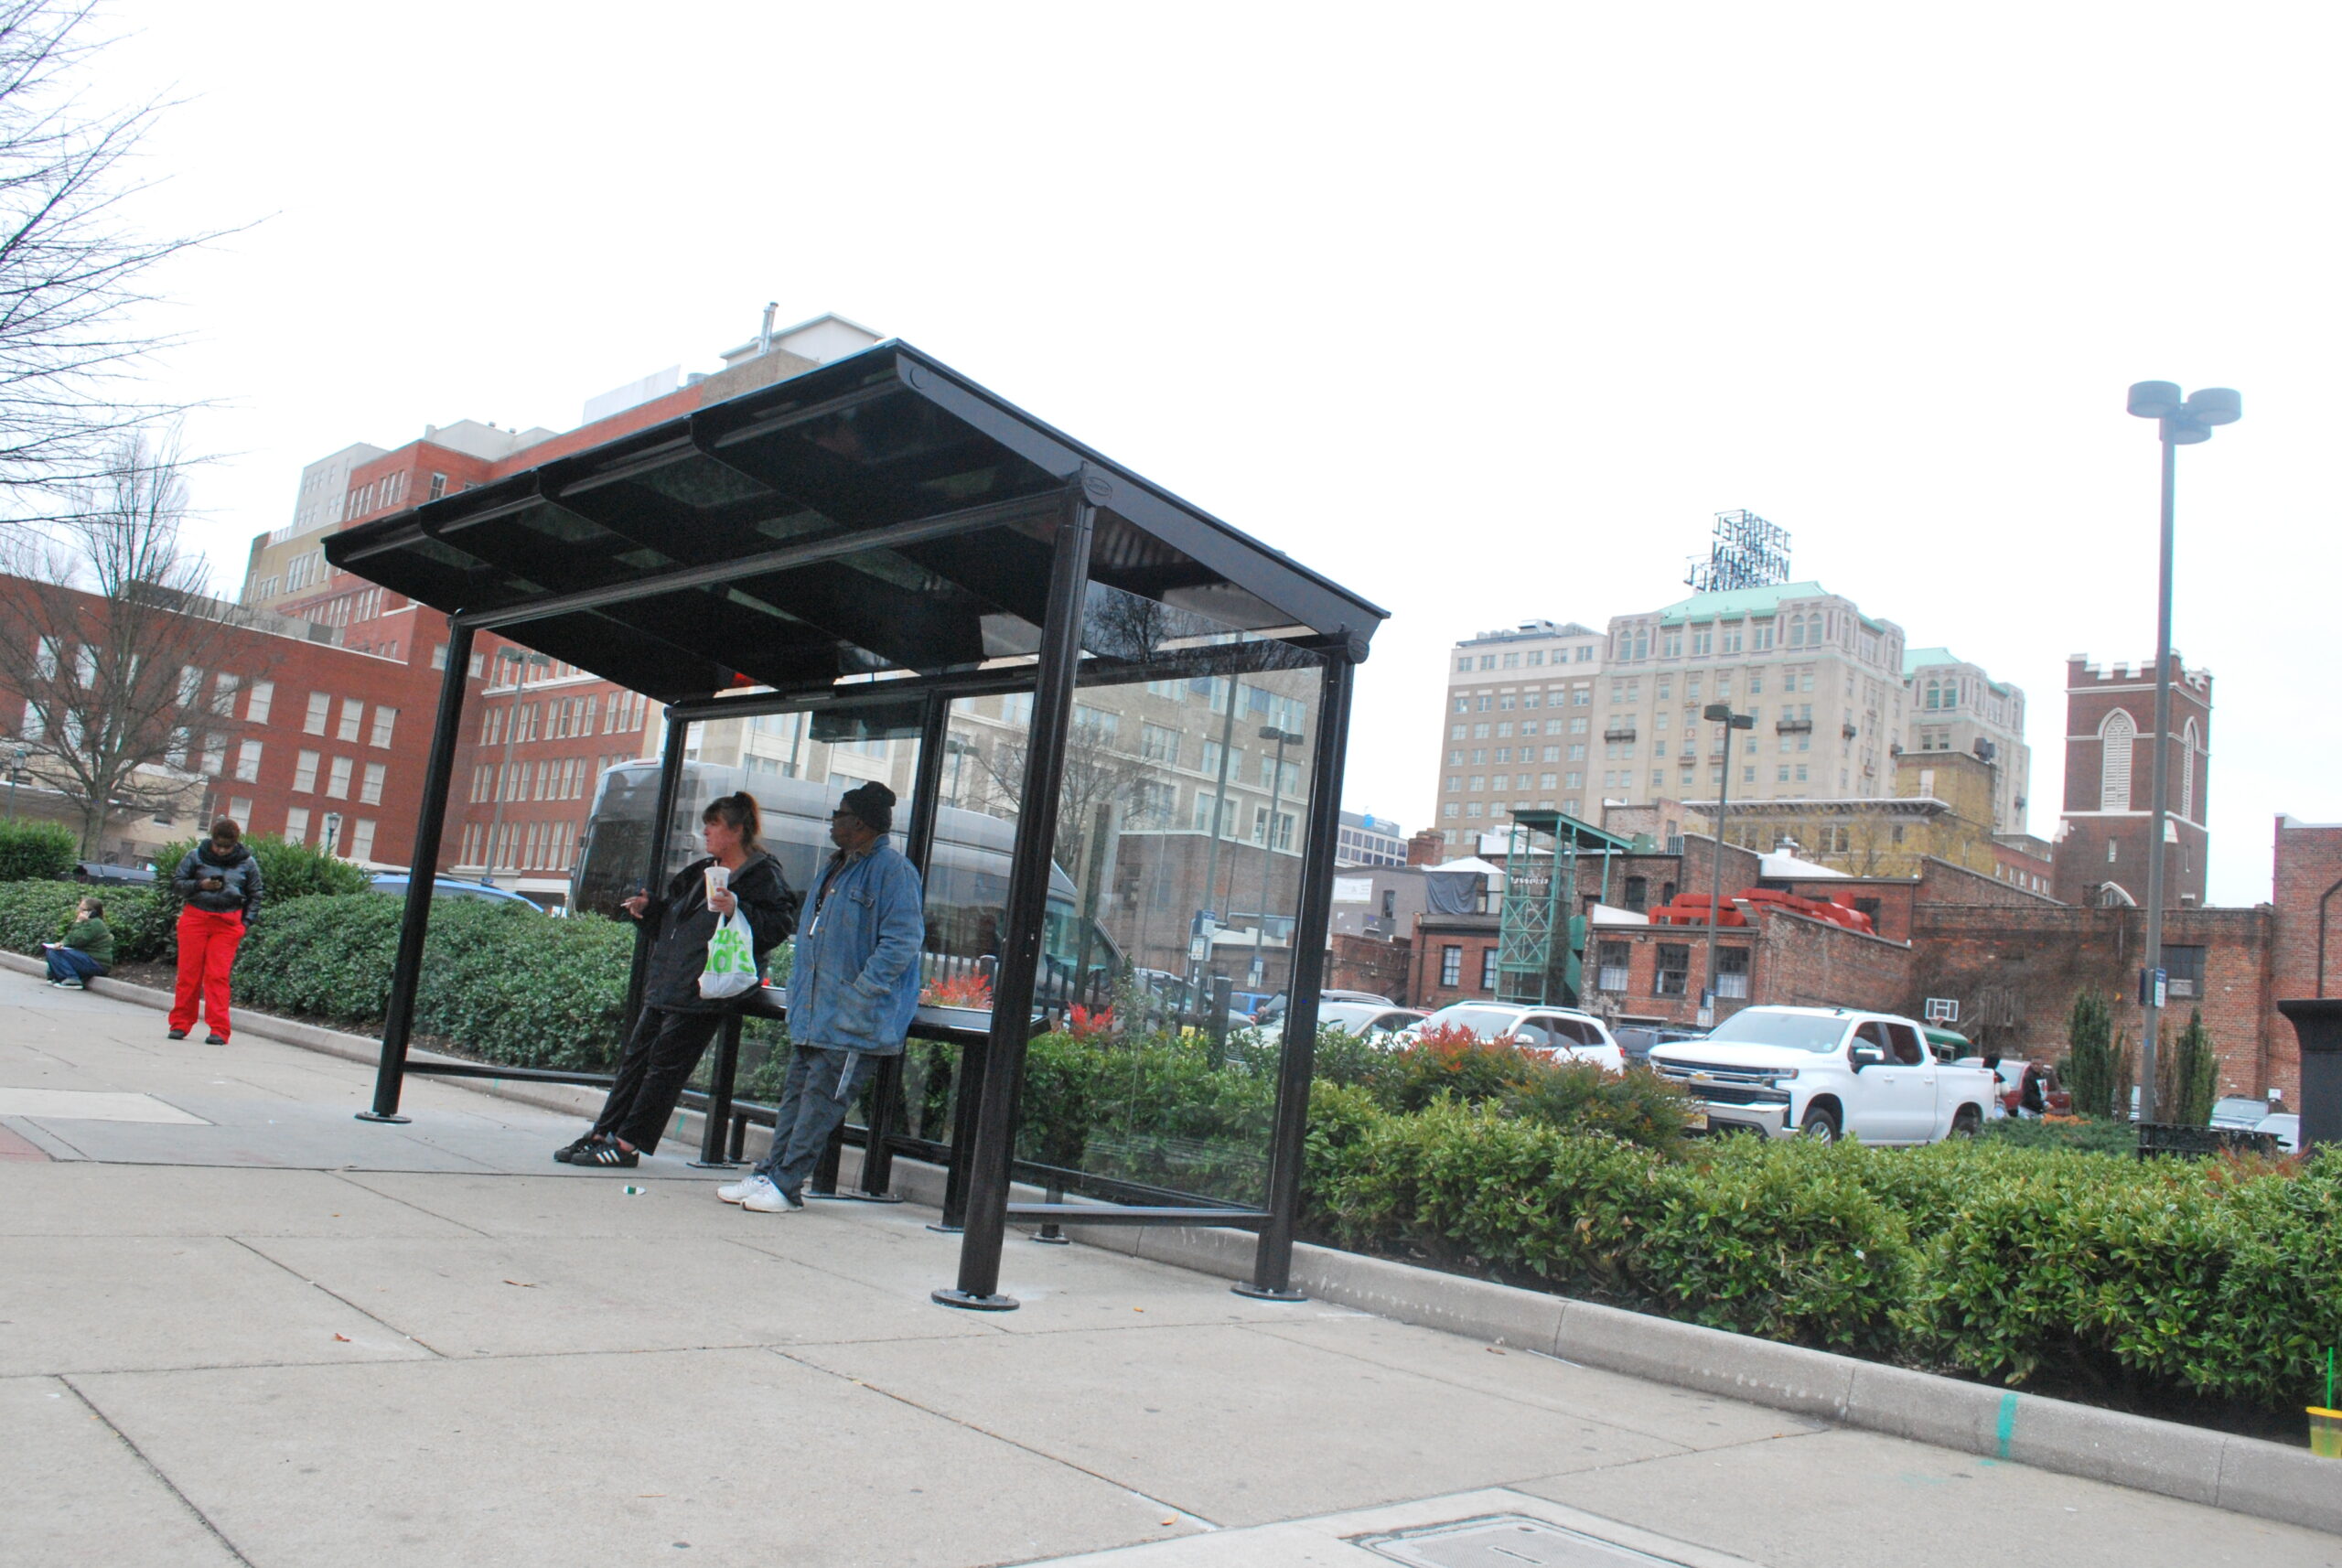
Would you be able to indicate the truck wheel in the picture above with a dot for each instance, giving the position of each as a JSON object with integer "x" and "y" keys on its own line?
{"x": 1966, "y": 1122}
{"x": 1820, "y": 1124}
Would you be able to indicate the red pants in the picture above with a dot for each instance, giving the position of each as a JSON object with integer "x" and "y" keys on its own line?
{"x": 207, "y": 953}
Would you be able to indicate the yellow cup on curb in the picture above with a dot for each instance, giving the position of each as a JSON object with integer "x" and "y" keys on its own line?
{"x": 2325, "y": 1433}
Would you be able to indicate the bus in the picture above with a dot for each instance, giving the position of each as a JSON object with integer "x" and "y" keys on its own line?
{"x": 967, "y": 879}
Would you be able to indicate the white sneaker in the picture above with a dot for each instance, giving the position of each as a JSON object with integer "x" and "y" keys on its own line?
{"x": 746, "y": 1188}
{"x": 770, "y": 1199}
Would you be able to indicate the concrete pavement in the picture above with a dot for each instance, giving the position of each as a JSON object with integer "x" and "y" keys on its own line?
{"x": 237, "y": 1327}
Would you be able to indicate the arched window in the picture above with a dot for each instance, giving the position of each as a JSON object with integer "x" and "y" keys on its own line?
{"x": 1797, "y": 632}
{"x": 2114, "y": 738}
{"x": 2188, "y": 772}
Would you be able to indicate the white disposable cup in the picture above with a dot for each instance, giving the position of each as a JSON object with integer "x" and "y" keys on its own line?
{"x": 718, "y": 880}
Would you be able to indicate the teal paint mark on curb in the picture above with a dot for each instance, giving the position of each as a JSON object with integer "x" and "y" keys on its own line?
{"x": 2008, "y": 1423}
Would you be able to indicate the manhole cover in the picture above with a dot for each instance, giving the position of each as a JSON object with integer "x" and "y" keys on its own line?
{"x": 1505, "y": 1540}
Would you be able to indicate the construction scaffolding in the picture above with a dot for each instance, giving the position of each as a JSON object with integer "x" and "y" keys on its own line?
{"x": 1541, "y": 932}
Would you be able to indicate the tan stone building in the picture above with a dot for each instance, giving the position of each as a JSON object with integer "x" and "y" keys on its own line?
{"x": 1519, "y": 727}
{"x": 1955, "y": 706}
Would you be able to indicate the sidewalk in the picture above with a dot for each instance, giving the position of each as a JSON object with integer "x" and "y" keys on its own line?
{"x": 237, "y": 1325}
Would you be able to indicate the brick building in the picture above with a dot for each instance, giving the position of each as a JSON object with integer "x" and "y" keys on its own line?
{"x": 2111, "y": 754}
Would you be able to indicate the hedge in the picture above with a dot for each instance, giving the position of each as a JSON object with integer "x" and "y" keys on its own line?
{"x": 1987, "y": 1257}
{"x": 32, "y": 913}
{"x": 36, "y": 851}
{"x": 287, "y": 871}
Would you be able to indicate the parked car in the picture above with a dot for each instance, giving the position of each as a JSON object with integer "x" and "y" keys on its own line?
{"x": 97, "y": 871}
{"x": 2241, "y": 1111}
{"x": 1560, "y": 1032}
{"x": 395, "y": 881}
{"x": 1637, "y": 1040}
{"x": 1272, "y": 1009}
{"x": 2026, "y": 1087}
{"x": 1368, "y": 1018}
{"x": 2285, "y": 1126}
{"x": 1824, "y": 1072}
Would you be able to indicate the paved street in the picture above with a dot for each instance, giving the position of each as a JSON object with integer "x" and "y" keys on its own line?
{"x": 237, "y": 1327}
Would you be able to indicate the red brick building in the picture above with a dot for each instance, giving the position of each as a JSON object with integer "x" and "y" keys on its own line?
{"x": 2112, "y": 755}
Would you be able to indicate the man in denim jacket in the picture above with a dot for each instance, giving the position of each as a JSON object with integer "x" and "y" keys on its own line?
{"x": 852, "y": 991}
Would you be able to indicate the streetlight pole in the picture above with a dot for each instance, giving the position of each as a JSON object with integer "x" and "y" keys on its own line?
{"x": 1721, "y": 713}
{"x": 504, "y": 772}
{"x": 1269, "y": 845}
{"x": 2180, "y": 423}
{"x": 15, "y": 772}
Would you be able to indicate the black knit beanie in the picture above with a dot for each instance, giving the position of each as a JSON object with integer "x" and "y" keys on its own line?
{"x": 874, "y": 804}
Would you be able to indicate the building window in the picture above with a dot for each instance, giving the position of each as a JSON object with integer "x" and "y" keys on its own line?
{"x": 1674, "y": 974}
{"x": 1638, "y": 893}
{"x": 2185, "y": 968}
{"x": 438, "y": 486}
{"x": 1610, "y": 974}
{"x": 1451, "y": 967}
{"x": 370, "y": 792}
{"x": 2188, "y": 772}
{"x": 1489, "y": 969}
{"x": 320, "y": 705}
{"x": 385, "y": 721}
{"x": 361, "y": 840}
{"x": 2115, "y": 737}
{"x": 305, "y": 772}
{"x": 248, "y": 762}
{"x": 1732, "y": 972}
{"x": 297, "y": 825}
{"x": 337, "y": 778}
{"x": 258, "y": 702}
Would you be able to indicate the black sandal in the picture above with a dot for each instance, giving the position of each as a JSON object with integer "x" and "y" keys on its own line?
{"x": 606, "y": 1155}
{"x": 569, "y": 1152}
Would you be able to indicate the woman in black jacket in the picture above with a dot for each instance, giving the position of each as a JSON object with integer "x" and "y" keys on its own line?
{"x": 677, "y": 1021}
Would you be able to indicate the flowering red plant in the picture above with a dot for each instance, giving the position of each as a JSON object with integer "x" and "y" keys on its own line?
{"x": 959, "y": 990}
{"x": 1082, "y": 1024}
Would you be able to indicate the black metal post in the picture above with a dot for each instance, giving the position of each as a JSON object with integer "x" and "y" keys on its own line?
{"x": 422, "y": 874}
{"x": 1297, "y": 1065}
{"x": 927, "y": 804}
{"x": 825, "y": 1182}
{"x": 967, "y": 1094}
{"x": 712, "y": 1156}
{"x": 1028, "y": 891}
{"x": 655, "y": 875}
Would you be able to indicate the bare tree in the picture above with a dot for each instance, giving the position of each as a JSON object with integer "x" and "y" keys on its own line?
{"x": 74, "y": 272}
{"x": 112, "y": 646}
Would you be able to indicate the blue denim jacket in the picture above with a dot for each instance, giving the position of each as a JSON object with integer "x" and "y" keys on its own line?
{"x": 855, "y": 981}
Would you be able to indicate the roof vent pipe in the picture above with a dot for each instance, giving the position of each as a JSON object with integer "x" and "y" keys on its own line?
{"x": 764, "y": 337}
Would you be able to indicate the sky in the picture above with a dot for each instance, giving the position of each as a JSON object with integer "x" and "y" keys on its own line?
{"x": 1482, "y": 311}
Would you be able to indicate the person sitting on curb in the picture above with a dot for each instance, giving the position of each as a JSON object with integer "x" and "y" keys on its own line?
{"x": 852, "y": 992}
{"x": 85, "y": 952}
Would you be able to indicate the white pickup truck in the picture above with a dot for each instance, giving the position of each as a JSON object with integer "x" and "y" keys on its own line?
{"x": 1825, "y": 1072}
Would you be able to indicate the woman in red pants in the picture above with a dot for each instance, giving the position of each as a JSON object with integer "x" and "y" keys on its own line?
{"x": 219, "y": 887}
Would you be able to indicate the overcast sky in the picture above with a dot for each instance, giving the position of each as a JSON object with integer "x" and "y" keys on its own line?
{"x": 1481, "y": 311}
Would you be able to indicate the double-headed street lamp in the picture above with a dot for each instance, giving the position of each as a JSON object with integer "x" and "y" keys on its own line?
{"x": 2183, "y": 422}
{"x": 1719, "y": 713}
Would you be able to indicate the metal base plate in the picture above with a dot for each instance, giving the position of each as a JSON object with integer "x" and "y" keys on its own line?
{"x": 1052, "y": 1240}
{"x": 852, "y": 1198}
{"x": 945, "y": 1230}
{"x": 1259, "y": 1292}
{"x": 393, "y": 1117}
{"x": 714, "y": 1165}
{"x": 963, "y": 1300}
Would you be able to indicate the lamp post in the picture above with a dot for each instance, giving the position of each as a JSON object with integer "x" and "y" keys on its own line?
{"x": 1269, "y": 842}
{"x": 16, "y": 771}
{"x": 520, "y": 662}
{"x": 2182, "y": 422}
{"x": 1721, "y": 713}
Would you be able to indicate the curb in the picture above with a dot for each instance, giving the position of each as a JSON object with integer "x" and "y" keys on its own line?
{"x": 2241, "y": 1475}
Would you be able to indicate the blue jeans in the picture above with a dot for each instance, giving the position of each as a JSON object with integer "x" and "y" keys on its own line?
{"x": 820, "y": 1085}
{"x": 72, "y": 963}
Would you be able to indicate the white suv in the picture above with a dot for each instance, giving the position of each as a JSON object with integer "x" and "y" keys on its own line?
{"x": 1564, "y": 1034}
{"x": 1826, "y": 1071}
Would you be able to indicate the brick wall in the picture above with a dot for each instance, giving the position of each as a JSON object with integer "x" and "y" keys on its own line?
{"x": 2308, "y": 865}
{"x": 1370, "y": 964}
{"x": 1791, "y": 960}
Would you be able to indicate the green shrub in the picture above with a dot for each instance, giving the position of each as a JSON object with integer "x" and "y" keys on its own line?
{"x": 32, "y": 913}
{"x": 499, "y": 980}
{"x": 36, "y": 851}
{"x": 287, "y": 871}
{"x": 2094, "y": 1069}
{"x": 2093, "y": 1136}
{"x": 1636, "y": 1105}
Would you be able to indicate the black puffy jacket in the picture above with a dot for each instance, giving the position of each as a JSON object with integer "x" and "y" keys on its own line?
{"x": 237, "y": 870}
{"x": 685, "y": 923}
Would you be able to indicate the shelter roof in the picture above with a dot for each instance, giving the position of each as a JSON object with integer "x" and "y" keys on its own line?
{"x": 878, "y": 514}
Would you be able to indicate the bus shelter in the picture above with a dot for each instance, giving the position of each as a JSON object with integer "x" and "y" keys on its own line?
{"x": 1121, "y": 722}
